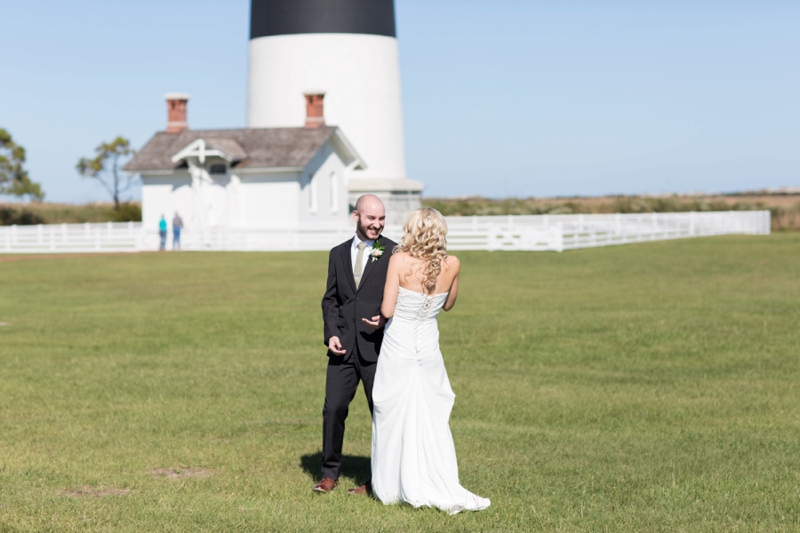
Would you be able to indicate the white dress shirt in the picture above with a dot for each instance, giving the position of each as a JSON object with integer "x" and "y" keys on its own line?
{"x": 354, "y": 253}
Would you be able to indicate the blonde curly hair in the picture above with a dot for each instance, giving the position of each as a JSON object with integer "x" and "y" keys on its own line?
{"x": 424, "y": 237}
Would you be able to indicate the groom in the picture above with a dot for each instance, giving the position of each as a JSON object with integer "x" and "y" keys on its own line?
{"x": 353, "y": 327}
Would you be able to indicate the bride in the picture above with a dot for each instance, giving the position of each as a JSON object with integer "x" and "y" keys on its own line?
{"x": 413, "y": 455}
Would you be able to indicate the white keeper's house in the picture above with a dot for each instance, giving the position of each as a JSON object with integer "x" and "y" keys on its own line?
{"x": 276, "y": 178}
{"x": 286, "y": 170}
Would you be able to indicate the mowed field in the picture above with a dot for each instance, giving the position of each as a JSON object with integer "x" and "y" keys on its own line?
{"x": 651, "y": 387}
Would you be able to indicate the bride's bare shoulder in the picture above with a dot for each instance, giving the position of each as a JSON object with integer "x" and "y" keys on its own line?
{"x": 452, "y": 261}
{"x": 399, "y": 258}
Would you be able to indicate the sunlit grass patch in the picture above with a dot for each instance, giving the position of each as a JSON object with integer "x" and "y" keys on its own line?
{"x": 637, "y": 388}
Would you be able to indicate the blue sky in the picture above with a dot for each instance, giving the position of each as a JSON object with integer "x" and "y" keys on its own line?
{"x": 500, "y": 97}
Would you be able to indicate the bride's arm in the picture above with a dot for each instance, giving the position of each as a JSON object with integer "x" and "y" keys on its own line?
{"x": 454, "y": 263}
{"x": 391, "y": 288}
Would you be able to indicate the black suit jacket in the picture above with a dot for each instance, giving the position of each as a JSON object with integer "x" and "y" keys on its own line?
{"x": 343, "y": 306}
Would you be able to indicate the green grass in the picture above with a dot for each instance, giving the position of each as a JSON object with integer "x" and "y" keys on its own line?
{"x": 648, "y": 387}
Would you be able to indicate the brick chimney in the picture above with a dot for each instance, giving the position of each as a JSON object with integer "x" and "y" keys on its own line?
{"x": 176, "y": 112}
{"x": 315, "y": 115}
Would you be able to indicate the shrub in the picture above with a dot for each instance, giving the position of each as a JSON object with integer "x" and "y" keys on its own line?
{"x": 127, "y": 212}
{"x": 10, "y": 216}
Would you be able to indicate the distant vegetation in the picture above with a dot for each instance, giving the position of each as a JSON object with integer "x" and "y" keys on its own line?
{"x": 14, "y": 179}
{"x": 785, "y": 209}
{"x": 47, "y": 213}
{"x": 106, "y": 168}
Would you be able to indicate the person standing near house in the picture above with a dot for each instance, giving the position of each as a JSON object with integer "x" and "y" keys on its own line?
{"x": 162, "y": 232}
{"x": 177, "y": 226}
{"x": 353, "y": 327}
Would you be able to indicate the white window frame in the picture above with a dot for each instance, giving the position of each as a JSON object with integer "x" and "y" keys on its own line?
{"x": 334, "y": 192}
{"x": 313, "y": 199}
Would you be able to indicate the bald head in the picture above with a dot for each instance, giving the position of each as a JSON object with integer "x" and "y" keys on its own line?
{"x": 370, "y": 216}
{"x": 368, "y": 200}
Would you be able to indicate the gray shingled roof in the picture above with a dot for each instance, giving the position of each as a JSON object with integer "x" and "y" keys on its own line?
{"x": 230, "y": 147}
{"x": 264, "y": 147}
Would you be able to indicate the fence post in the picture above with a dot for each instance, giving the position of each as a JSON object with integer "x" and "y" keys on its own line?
{"x": 138, "y": 242}
{"x": 491, "y": 238}
{"x": 558, "y": 231}
{"x": 654, "y": 226}
{"x": 52, "y": 238}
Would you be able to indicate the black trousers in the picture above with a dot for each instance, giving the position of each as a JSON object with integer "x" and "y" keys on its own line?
{"x": 340, "y": 388}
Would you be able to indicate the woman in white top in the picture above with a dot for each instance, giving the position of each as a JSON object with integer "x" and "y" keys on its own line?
{"x": 413, "y": 455}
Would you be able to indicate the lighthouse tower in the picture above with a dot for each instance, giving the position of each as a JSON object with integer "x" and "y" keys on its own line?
{"x": 347, "y": 51}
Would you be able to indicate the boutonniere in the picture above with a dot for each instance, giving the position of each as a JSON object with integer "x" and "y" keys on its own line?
{"x": 377, "y": 250}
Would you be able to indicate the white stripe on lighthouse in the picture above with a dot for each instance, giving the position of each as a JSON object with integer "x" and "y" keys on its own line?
{"x": 360, "y": 75}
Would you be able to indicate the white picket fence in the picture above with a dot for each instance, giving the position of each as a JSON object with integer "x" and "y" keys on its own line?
{"x": 568, "y": 232}
{"x": 78, "y": 238}
{"x": 510, "y": 233}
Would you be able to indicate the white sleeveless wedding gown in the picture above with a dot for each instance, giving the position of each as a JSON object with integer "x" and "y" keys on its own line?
{"x": 413, "y": 455}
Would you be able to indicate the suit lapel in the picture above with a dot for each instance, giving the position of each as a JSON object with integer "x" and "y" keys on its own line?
{"x": 348, "y": 263}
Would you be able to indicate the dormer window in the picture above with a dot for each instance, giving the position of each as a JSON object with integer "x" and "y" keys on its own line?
{"x": 216, "y": 155}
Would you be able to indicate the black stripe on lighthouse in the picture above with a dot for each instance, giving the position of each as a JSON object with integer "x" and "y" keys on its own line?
{"x": 287, "y": 17}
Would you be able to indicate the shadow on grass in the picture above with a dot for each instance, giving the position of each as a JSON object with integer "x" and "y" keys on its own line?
{"x": 353, "y": 466}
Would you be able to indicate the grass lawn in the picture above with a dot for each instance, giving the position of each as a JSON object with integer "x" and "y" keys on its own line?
{"x": 651, "y": 387}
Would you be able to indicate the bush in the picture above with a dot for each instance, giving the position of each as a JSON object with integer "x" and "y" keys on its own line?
{"x": 10, "y": 216}
{"x": 127, "y": 212}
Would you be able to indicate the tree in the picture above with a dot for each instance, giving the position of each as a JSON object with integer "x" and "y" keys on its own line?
{"x": 14, "y": 178}
{"x": 106, "y": 168}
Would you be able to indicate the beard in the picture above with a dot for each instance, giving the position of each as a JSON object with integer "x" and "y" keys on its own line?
{"x": 366, "y": 232}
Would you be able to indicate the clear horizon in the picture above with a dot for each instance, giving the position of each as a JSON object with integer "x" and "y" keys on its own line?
{"x": 507, "y": 99}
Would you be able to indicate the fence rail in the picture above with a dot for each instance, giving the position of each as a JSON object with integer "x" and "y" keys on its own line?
{"x": 520, "y": 233}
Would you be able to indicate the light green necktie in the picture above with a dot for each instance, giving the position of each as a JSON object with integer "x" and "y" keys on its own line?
{"x": 359, "y": 263}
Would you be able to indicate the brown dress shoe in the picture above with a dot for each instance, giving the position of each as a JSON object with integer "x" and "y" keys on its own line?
{"x": 326, "y": 484}
{"x": 366, "y": 488}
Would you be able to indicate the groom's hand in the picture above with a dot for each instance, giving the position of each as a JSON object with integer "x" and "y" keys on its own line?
{"x": 335, "y": 346}
{"x": 375, "y": 322}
